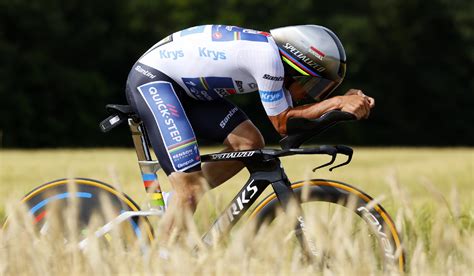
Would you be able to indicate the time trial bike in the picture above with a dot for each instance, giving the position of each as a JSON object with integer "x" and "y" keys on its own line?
{"x": 265, "y": 170}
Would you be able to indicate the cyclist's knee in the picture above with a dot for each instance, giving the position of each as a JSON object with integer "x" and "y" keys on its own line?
{"x": 258, "y": 142}
{"x": 255, "y": 142}
{"x": 245, "y": 137}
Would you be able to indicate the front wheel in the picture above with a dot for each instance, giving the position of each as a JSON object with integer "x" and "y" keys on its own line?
{"x": 344, "y": 221}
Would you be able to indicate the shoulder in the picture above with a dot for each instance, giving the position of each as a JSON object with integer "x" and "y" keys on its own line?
{"x": 263, "y": 56}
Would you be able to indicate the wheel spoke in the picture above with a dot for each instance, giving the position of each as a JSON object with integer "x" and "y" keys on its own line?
{"x": 342, "y": 232}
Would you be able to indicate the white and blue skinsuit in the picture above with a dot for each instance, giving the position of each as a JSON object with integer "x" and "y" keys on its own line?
{"x": 178, "y": 87}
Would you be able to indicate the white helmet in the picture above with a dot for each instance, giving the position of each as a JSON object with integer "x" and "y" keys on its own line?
{"x": 314, "y": 56}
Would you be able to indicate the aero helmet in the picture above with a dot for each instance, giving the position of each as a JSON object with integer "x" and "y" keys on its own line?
{"x": 313, "y": 56}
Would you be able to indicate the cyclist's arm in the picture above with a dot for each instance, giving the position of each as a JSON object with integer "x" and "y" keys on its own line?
{"x": 354, "y": 101}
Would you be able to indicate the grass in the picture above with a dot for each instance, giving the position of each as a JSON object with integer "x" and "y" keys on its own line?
{"x": 428, "y": 191}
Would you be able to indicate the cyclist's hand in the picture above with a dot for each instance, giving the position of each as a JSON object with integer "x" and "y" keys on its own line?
{"x": 357, "y": 103}
{"x": 360, "y": 93}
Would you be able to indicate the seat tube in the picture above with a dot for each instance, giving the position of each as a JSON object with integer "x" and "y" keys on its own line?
{"x": 139, "y": 140}
{"x": 148, "y": 167}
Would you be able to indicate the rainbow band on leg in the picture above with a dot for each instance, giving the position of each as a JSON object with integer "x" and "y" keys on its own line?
{"x": 182, "y": 145}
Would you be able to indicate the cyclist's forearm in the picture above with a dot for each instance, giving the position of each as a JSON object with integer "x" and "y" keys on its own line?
{"x": 309, "y": 111}
{"x": 313, "y": 111}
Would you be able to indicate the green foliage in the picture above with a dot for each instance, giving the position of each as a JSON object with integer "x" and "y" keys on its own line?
{"x": 62, "y": 61}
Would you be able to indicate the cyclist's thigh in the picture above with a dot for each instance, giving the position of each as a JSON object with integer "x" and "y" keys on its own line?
{"x": 157, "y": 102}
{"x": 213, "y": 120}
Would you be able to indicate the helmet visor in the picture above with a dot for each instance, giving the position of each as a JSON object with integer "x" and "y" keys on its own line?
{"x": 317, "y": 88}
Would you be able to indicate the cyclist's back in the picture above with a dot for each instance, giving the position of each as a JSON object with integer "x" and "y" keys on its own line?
{"x": 213, "y": 61}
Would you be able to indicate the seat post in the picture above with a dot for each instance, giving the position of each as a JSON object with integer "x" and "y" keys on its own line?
{"x": 148, "y": 167}
{"x": 139, "y": 140}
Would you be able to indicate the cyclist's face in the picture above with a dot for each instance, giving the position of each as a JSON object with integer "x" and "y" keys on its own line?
{"x": 312, "y": 88}
{"x": 297, "y": 91}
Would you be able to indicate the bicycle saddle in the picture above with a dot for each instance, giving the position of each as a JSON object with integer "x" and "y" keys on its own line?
{"x": 120, "y": 108}
{"x": 119, "y": 114}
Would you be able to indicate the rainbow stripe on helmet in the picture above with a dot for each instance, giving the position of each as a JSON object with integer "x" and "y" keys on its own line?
{"x": 295, "y": 64}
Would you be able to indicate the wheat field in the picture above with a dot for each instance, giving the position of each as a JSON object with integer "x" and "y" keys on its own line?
{"x": 428, "y": 191}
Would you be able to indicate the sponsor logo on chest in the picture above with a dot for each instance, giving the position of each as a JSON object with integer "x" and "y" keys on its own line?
{"x": 174, "y": 55}
{"x": 240, "y": 85}
{"x": 252, "y": 85}
{"x": 212, "y": 54}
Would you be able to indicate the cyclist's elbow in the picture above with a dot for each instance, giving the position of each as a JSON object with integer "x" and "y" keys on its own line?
{"x": 279, "y": 121}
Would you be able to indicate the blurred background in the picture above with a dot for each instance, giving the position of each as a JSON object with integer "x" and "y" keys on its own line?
{"x": 61, "y": 62}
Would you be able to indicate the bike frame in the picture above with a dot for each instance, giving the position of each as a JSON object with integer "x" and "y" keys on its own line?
{"x": 262, "y": 174}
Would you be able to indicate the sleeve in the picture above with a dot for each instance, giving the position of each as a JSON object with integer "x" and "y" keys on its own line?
{"x": 265, "y": 65}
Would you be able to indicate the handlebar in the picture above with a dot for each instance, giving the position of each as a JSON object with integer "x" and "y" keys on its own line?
{"x": 263, "y": 155}
{"x": 300, "y": 129}
{"x": 333, "y": 151}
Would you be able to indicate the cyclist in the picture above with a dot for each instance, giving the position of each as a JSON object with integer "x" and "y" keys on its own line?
{"x": 178, "y": 87}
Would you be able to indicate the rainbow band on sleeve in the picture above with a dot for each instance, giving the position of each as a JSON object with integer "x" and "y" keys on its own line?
{"x": 298, "y": 66}
{"x": 204, "y": 83}
{"x": 236, "y": 35}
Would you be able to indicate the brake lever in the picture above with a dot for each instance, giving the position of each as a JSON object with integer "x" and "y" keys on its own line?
{"x": 330, "y": 151}
{"x": 345, "y": 150}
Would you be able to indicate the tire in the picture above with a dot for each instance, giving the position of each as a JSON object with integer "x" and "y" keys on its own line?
{"x": 96, "y": 202}
{"x": 333, "y": 193}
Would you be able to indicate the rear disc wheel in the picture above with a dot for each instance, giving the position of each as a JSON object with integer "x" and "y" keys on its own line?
{"x": 73, "y": 209}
